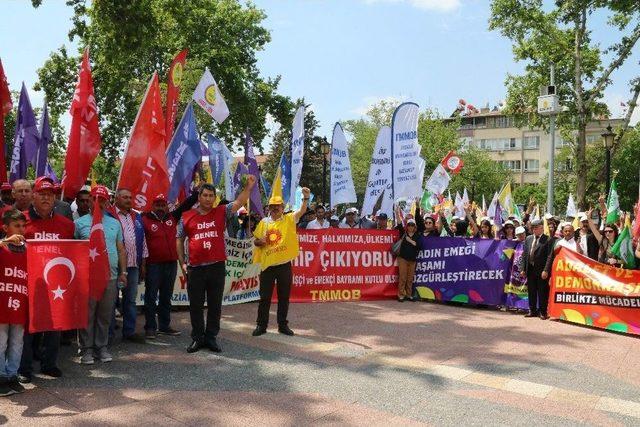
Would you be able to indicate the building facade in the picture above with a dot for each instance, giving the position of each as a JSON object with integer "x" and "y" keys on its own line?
{"x": 524, "y": 151}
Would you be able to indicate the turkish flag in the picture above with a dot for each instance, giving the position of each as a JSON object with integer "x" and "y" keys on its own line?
{"x": 144, "y": 167}
{"x": 5, "y": 106}
{"x": 84, "y": 137}
{"x": 174, "y": 82}
{"x": 99, "y": 264}
{"x": 58, "y": 284}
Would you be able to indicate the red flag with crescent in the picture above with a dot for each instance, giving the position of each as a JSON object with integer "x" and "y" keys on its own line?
{"x": 5, "y": 106}
{"x": 58, "y": 284}
{"x": 174, "y": 81}
{"x": 98, "y": 255}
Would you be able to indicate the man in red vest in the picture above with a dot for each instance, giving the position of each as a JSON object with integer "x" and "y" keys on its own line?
{"x": 204, "y": 226}
{"x": 160, "y": 227}
{"x": 44, "y": 223}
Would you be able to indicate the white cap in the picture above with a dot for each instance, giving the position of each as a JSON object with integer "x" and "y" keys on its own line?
{"x": 334, "y": 218}
{"x": 411, "y": 221}
{"x": 548, "y": 216}
{"x": 352, "y": 210}
{"x": 507, "y": 223}
{"x": 520, "y": 230}
{"x": 583, "y": 217}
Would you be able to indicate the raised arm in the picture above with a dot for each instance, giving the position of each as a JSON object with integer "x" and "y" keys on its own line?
{"x": 305, "y": 202}
{"x": 185, "y": 205}
{"x": 592, "y": 226}
{"x": 472, "y": 222}
{"x": 242, "y": 198}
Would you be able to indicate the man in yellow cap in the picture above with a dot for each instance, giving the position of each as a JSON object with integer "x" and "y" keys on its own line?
{"x": 276, "y": 246}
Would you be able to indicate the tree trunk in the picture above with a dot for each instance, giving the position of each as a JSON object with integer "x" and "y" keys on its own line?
{"x": 581, "y": 165}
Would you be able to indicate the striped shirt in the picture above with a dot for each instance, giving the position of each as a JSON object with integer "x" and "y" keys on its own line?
{"x": 127, "y": 219}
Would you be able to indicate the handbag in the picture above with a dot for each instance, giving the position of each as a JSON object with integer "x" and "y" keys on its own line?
{"x": 395, "y": 248}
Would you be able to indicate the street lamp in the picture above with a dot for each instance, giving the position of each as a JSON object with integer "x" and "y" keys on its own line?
{"x": 608, "y": 136}
{"x": 326, "y": 149}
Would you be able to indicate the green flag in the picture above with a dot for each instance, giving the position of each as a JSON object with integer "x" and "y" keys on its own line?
{"x": 613, "y": 204}
{"x": 425, "y": 202}
{"x": 516, "y": 211}
{"x": 623, "y": 248}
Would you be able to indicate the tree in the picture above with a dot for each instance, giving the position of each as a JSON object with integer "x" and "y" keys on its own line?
{"x": 437, "y": 137}
{"x": 130, "y": 40}
{"x": 562, "y": 36}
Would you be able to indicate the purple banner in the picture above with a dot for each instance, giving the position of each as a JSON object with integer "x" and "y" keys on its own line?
{"x": 471, "y": 271}
{"x": 516, "y": 291}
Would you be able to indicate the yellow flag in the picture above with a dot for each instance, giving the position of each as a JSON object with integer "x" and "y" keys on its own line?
{"x": 413, "y": 208}
{"x": 546, "y": 227}
{"x": 505, "y": 198}
{"x": 276, "y": 187}
{"x": 576, "y": 223}
{"x": 93, "y": 178}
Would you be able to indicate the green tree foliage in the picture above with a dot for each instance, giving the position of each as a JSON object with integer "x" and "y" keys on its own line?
{"x": 480, "y": 175}
{"x": 129, "y": 40}
{"x": 561, "y": 34}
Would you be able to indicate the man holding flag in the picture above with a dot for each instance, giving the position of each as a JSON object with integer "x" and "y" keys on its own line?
{"x": 204, "y": 228}
{"x": 105, "y": 238}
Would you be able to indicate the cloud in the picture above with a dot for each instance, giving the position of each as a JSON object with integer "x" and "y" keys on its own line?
{"x": 618, "y": 111}
{"x": 370, "y": 101}
{"x": 434, "y": 5}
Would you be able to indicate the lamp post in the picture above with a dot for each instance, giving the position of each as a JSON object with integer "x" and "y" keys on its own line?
{"x": 326, "y": 148}
{"x": 608, "y": 137}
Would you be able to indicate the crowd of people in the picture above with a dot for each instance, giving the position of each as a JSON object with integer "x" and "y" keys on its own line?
{"x": 149, "y": 247}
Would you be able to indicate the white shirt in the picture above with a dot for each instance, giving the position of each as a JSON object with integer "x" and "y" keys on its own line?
{"x": 569, "y": 244}
{"x": 315, "y": 225}
{"x": 344, "y": 224}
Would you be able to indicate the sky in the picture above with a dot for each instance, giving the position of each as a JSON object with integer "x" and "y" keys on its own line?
{"x": 341, "y": 55}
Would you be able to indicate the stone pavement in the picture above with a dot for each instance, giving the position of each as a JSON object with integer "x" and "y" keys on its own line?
{"x": 368, "y": 363}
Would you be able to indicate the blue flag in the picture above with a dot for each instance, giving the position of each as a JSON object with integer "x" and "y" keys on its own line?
{"x": 50, "y": 173}
{"x": 26, "y": 138}
{"x": 241, "y": 169}
{"x": 266, "y": 187}
{"x": 183, "y": 154}
{"x": 252, "y": 166}
{"x": 285, "y": 165}
{"x": 216, "y": 158}
{"x": 40, "y": 161}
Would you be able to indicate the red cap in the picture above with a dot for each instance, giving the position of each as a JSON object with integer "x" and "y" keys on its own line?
{"x": 43, "y": 183}
{"x": 5, "y": 187}
{"x": 100, "y": 191}
{"x": 160, "y": 198}
{"x": 57, "y": 188}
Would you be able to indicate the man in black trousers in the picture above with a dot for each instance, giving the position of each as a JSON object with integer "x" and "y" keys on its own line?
{"x": 532, "y": 263}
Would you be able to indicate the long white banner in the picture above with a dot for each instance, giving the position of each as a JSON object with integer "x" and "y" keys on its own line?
{"x": 406, "y": 151}
{"x": 297, "y": 150}
{"x": 342, "y": 189}
{"x": 379, "y": 172}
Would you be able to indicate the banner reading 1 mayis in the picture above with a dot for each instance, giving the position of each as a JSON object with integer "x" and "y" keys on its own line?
{"x": 344, "y": 265}
{"x": 590, "y": 293}
{"x": 463, "y": 270}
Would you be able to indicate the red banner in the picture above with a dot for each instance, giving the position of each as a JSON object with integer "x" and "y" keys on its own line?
{"x": 58, "y": 284}
{"x": 589, "y": 293}
{"x": 174, "y": 80}
{"x": 5, "y": 106}
{"x": 144, "y": 166}
{"x": 344, "y": 265}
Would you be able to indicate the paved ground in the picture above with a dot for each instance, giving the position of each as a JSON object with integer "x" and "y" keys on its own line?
{"x": 376, "y": 363}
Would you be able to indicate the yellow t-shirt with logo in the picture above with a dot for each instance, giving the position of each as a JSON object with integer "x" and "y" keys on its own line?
{"x": 281, "y": 238}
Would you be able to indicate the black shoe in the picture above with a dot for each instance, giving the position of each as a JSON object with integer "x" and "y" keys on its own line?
{"x": 531, "y": 314}
{"x": 6, "y": 390}
{"x": 16, "y": 386}
{"x": 544, "y": 316}
{"x": 52, "y": 372}
{"x": 135, "y": 338}
{"x": 195, "y": 346}
{"x": 212, "y": 345}
{"x": 400, "y": 299}
{"x": 169, "y": 331}
{"x": 24, "y": 379}
{"x": 285, "y": 330}
{"x": 259, "y": 330}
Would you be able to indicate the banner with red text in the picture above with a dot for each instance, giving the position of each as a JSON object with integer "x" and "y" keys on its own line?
{"x": 590, "y": 293}
{"x": 344, "y": 265}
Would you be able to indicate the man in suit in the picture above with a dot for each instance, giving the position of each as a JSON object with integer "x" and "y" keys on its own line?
{"x": 532, "y": 264}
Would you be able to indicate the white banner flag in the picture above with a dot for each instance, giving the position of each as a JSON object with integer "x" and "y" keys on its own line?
{"x": 439, "y": 180}
{"x": 387, "y": 202}
{"x": 208, "y": 96}
{"x": 379, "y": 172}
{"x": 406, "y": 150}
{"x": 572, "y": 212}
{"x": 342, "y": 189}
{"x": 297, "y": 149}
{"x": 227, "y": 157}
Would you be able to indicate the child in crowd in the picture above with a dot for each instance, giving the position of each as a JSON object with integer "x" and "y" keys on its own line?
{"x": 13, "y": 300}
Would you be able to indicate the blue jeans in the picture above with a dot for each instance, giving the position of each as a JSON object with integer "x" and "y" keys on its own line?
{"x": 128, "y": 307}
{"x": 159, "y": 288}
{"x": 10, "y": 349}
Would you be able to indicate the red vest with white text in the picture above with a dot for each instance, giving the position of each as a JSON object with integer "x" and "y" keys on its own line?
{"x": 161, "y": 238}
{"x": 13, "y": 287}
{"x": 206, "y": 235}
{"x": 56, "y": 227}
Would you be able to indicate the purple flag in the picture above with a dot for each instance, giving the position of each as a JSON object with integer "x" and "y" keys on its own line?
{"x": 497, "y": 218}
{"x": 50, "y": 173}
{"x": 252, "y": 167}
{"x": 183, "y": 154}
{"x": 241, "y": 169}
{"x": 25, "y": 142}
{"x": 42, "y": 153}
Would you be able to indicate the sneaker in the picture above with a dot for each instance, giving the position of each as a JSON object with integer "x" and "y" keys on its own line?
{"x": 105, "y": 356}
{"x": 87, "y": 358}
{"x": 16, "y": 386}
{"x": 150, "y": 335}
{"x": 169, "y": 331}
{"x": 5, "y": 389}
{"x": 24, "y": 379}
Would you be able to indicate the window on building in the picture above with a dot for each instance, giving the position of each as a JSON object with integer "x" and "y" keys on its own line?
{"x": 531, "y": 165}
{"x": 512, "y": 165}
{"x": 531, "y": 142}
{"x": 564, "y": 165}
{"x": 594, "y": 138}
{"x": 503, "y": 122}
